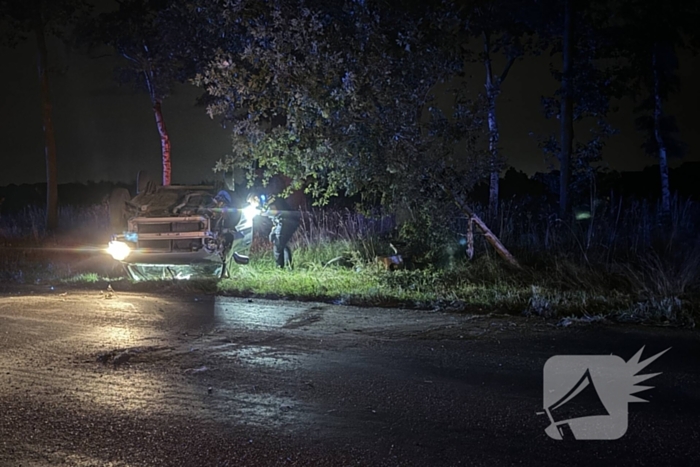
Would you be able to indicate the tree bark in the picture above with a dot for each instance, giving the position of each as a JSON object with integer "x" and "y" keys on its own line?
{"x": 492, "y": 91}
{"x": 494, "y": 136}
{"x": 663, "y": 156}
{"x": 489, "y": 236}
{"x": 470, "y": 238}
{"x": 164, "y": 141}
{"x": 481, "y": 225}
{"x": 567, "y": 112}
{"x": 160, "y": 122}
{"x": 46, "y": 113}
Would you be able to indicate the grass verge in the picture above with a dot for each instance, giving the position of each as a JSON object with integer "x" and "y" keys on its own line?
{"x": 337, "y": 266}
{"x": 552, "y": 288}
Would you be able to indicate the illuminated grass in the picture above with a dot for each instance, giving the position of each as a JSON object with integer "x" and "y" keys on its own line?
{"x": 334, "y": 263}
{"x": 322, "y": 283}
{"x": 468, "y": 288}
{"x": 484, "y": 285}
{"x": 86, "y": 277}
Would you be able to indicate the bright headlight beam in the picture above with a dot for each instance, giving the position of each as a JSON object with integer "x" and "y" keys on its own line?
{"x": 118, "y": 250}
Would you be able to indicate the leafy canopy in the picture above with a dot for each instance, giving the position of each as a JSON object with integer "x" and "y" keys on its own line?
{"x": 338, "y": 96}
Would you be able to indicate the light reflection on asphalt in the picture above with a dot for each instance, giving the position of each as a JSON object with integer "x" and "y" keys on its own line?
{"x": 254, "y": 316}
{"x": 118, "y": 336}
{"x": 265, "y": 356}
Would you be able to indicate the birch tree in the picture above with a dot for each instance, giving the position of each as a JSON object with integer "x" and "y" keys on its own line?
{"x": 137, "y": 35}
{"x": 500, "y": 27}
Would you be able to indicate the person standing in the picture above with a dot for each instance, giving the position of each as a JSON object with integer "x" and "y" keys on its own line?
{"x": 285, "y": 222}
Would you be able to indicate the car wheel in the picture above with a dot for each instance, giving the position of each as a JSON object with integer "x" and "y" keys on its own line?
{"x": 117, "y": 208}
{"x": 143, "y": 182}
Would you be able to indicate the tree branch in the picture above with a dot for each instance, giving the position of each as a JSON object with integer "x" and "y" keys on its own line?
{"x": 487, "y": 59}
{"x": 149, "y": 86}
{"x": 504, "y": 75}
{"x": 128, "y": 57}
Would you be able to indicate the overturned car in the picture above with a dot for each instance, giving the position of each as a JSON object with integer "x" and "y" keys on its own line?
{"x": 177, "y": 231}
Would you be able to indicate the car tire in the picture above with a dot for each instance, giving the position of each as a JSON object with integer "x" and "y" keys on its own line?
{"x": 143, "y": 180}
{"x": 117, "y": 208}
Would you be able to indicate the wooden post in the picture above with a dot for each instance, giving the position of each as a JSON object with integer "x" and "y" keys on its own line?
{"x": 470, "y": 238}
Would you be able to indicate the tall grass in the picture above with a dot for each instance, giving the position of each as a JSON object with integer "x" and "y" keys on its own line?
{"x": 624, "y": 257}
{"x": 616, "y": 228}
{"x": 30, "y": 254}
{"x": 616, "y": 232}
{"x": 629, "y": 240}
{"x": 29, "y": 224}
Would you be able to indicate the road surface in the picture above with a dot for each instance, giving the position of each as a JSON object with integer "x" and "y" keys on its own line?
{"x": 90, "y": 378}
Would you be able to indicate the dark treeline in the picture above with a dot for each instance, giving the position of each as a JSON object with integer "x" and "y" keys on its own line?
{"x": 339, "y": 96}
{"x": 541, "y": 188}
{"x": 14, "y": 198}
{"x": 638, "y": 185}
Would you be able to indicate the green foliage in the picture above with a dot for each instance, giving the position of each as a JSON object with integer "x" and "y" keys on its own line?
{"x": 161, "y": 42}
{"x": 332, "y": 95}
{"x": 426, "y": 237}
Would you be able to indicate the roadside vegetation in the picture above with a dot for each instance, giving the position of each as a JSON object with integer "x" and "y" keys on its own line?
{"x": 616, "y": 263}
{"x": 398, "y": 126}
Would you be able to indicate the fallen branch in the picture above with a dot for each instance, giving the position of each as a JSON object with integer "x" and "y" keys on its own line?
{"x": 490, "y": 236}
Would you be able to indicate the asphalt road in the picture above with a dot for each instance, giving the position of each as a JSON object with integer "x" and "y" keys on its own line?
{"x": 152, "y": 380}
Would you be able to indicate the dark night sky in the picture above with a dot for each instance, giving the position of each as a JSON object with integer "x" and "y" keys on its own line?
{"x": 107, "y": 132}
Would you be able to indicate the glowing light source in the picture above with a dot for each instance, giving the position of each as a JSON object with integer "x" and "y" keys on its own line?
{"x": 250, "y": 211}
{"x": 118, "y": 250}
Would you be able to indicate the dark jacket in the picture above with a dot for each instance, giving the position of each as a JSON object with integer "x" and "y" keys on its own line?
{"x": 279, "y": 211}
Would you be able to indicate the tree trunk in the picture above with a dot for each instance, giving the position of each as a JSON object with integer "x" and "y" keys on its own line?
{"x": 164, "y": 141}
{"x": 492, "y": 91}
{"x": 567, "y": 112}
{"x": 663, "y": 157}
{"x": 481, "y": 225}
{"x": 470, "y": 238}
{"x": 489, "y": 236}
{"x": 49, "y": 139}
{"x": 495, "y": 162}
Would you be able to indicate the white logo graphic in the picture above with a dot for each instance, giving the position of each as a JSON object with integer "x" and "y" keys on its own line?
{"x": 586, "y": 396}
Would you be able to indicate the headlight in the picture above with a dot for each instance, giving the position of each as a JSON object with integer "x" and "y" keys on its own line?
{"x": 118, "y": 250}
